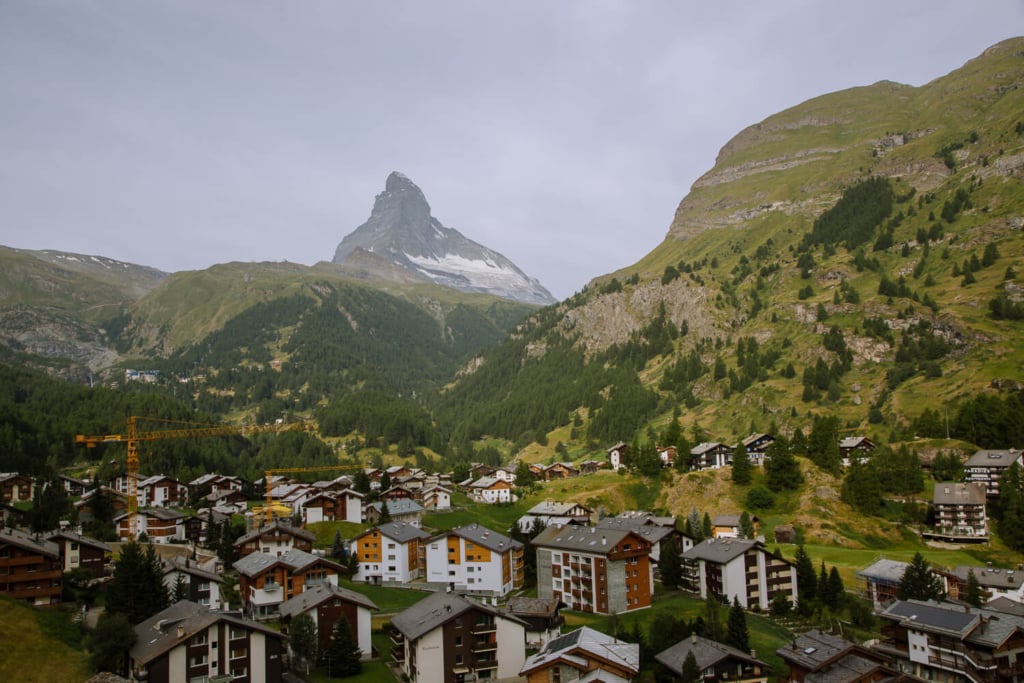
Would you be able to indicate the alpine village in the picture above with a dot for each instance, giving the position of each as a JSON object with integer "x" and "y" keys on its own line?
{"x": 783, "y": 446}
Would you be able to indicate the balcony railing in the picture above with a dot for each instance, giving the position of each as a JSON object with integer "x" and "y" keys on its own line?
{"x": 478, "y": 629}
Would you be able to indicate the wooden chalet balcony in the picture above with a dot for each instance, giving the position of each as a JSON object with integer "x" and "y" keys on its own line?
{"x": 28, "y": 560}
{"x": 485, "y": 645}
{"x": 33, "y": 592}
{"x": 32, "y": 576}
{"x": 482, "y": 628}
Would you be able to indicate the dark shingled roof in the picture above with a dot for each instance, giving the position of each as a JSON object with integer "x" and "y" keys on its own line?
{"x": 719, "y": 551}
{"x": 484, "y": 537}
{"x": 586, "y": 539}
{"x": 403, "y": 532}
{"x": 159, "y": 633}
{"x": 437, "y": 609}
{"x": 533, "y": 607}
{"x": 307, "y": 600}
{"x": 706, "y": 652}
{"x": 19, "y": 538}
{"x": 276, "y": 526}
{"x": 256, "y": 563}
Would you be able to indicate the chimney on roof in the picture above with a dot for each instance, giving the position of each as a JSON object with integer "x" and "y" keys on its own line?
{"x": 693, "y": 638}
{"x": 181, "y": 631}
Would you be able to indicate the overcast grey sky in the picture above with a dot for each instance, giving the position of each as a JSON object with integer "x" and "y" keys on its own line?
{"x": 561, "y": 134}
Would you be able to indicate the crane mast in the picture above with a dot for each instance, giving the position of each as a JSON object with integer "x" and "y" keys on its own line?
{"x": 133, "y": 435}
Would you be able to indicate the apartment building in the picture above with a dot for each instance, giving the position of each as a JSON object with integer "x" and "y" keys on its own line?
{"x": 475, "y": 559}
{"x": 595, "y": 570}
{"x": 390, "y": 553}
{"x": 738, "y": 569}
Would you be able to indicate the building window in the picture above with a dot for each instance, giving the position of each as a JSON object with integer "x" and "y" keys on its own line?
{"x": 238, "y": 652}
{"x": 458, "y": 641}
{"x": 198, "y": 640}
{"x": 198, "y": 660}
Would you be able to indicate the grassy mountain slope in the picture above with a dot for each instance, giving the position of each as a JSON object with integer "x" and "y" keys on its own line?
{"x": 735, "y": 265}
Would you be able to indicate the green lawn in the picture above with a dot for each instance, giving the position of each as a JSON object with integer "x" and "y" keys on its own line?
{"x": 498, "y": 517}
{"x": 325, "y": 532}
{"x": 388, "y": 600}
{"x": 32, "y": 649}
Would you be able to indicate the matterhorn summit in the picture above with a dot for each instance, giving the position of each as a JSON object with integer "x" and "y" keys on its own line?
{"x": 401, "y": 231}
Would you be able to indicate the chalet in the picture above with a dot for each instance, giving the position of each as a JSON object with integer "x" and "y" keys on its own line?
{"x": 400, "y": 510}
{"x": 946, "y": 641}
{"x": 73, "y": 487}
{"x": 560, "y": 470}
{"x": 30, "y": 568}
{"x": 728, "y": 526}
{"x": 987, "y": 466}
{"x": 16, "y": 488}
{"x": 373, "y": 474}
{"x": 12, "y": 516}
{"x": 603, "y": 571}
{"x": 202, "y": 587}
{"x": 734, "y": 569}
{"x": 854, "y": 447}
{"x": 84, "y": 506}
{"x": 617, "y": 455}
{"x": 213, "y": 483}
{"x": 397, "y": 493}
{"x": 226, "y": 499}
{"x": 819, "y": 656}
{"x": 400, "y": 471}
{"x": 542, "y": 616}
{"x": 435, "y": 497}
{"x": 81, "y": 552}
{"x": 658, "y": 535}
{"x": 716, "y": 661}
{"x": 326, "y": 604}
{"x": 475, "y": 559}
{"x": 344, "y": 505}
{"x": 995, "y": 582}
{"x": 265, "y": 581}
{"x": 710, "y": 455}
{"x": 505, "y": 473}
{"x": 590, "y": 467}
{"x": 667, "y": 455}
{"x": 478, "y": 470}
{"x": 583, "y": 654}
{"x": 491, "y": 490}
{"x": 393, "y": 552}
{"x": 550, "y": 512}
{"x": 882, "y": 578}
{"x": 276, "y": 539}
{"x": 536, "y": 470}
{"x": 445, "y": 638}
{"x": 162, "y": 491}
{"x": 960, "y": 512}
{"x": 756, "y": 446}
{"x": 161, "y": 525}
{"x": 189, "y": 642}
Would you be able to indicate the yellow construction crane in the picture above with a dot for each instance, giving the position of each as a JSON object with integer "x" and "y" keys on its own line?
{"x": 169, "y": 429}
{"x": 271, "y": 508}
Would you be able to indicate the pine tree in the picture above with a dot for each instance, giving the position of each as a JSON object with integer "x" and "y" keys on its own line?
{"x": 741, "y": 468}
{"x": 918, "y": 582}
{"x": 713, "y": 627}
{"x": 385, "y": 513}
{"x": 338, "y": 546}
{"x": 693, "y": 525}
{"x": 738, "y": 635}
{"x": 343, "y": 654}
{"x": 670, "y": 565}
{"x": 691, "y": 670}
{"x": 973, "y": 594}
{"x": 705, "y": 526}
{"x": 781, "y": 469}
{"x": 823, "y": 596}
{"x": 110, "y": 642}
{"x": 806, "y": 580}
{"x": 180, "y": 591}
{"x": 137, "y": 589}
{"x": 303, "y": 639}
{"x": 836, "y": 589}
{"x": 746, "y": 525}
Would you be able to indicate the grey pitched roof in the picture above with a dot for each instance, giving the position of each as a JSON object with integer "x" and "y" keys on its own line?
{"x": 485, "y": 537}
{"x": 399, "y": 506}
{"x": 959, "y": 493}
{"x": 641, "y": 527}
{"x": 295, "y": 559}
{"x": 814, "y": 649}
{"x": 955, "y": 620}
{"x": 720, "y": 551}
{"x": 585, "y": 640}
{"x": 164, "y": 514}
{"x": 706, "y": 652}
{"x": 993, "y": 458}
{"x": 36, "y": 544}
{"x": 726, "y": 520}
{"x": 159, "y": 633}
{"x": 533, "y": 607}
{"x": 588, "y": 539}
{"x": 183, "y": 564}
{"x": 992, "y": 577}
{"x": 78, "y": 538}
{"x": 437, "y": 609}
{"x": 888, "y": 571}
{"x": 552, "y": 508}
{"x": 276, "y": 526}
{"x": 705, "y": 447}
{"x": 403, "y": 532}
{"x": 307, "y": 600}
